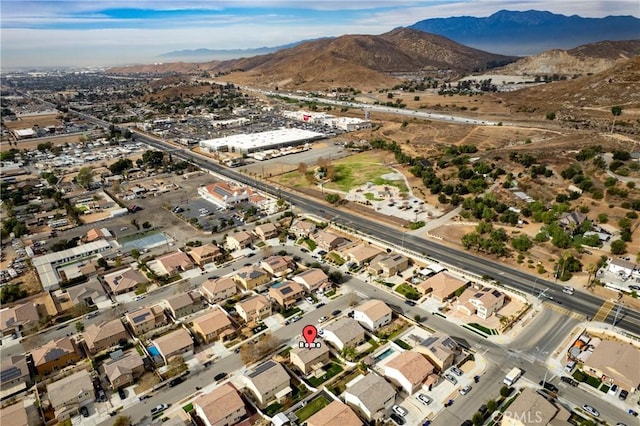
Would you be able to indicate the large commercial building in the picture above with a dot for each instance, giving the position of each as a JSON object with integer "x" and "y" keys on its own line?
{"x": 247, "y": 143}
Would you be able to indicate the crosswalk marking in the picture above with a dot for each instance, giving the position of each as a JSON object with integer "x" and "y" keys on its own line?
{"x": 563, "y": 311}
{"x": 603, "y": 312}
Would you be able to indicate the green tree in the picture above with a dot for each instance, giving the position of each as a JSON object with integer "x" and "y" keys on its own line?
{"x": 551, "y": 115}
{"x": 521, "y": 243}
{"x": 11, "y": 292}
{"x": 492, "y": 405}
{"x": 153, "y": 158}
{"x": 102, "y": 262}
{"x": 79, "y": 326}
{"x": 135, "y": 253}
{"x": 616, "y": 111}
{"x": 121, "y": 166}
{"x": 84, "y": 177}
{"x": 618, "y": 247}
{"x": 146, "y": 225}
{"x": 122, "y": 421}
{"x": 332, "y": 198}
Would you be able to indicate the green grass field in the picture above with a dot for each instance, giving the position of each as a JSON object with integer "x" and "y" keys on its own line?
{"x": 311, "y": 408}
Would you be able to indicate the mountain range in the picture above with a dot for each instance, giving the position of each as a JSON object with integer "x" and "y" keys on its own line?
{"x": 530, "y": 32}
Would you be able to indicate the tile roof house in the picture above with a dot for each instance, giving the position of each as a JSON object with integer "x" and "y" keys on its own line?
{"x": 302, "y": 228}
{"x": 145, "y": 319}
{"x": 266, "y": 231}
{"x": 105, "y": 335}
{"x": 183, "y": 304}
{"x": 328, "y": 240}
{"x": 20, "y": 415}
{"x": 313, "y": 279}
{"x": 206, "y": 253}
{"x": 94, "y": 234}
{"x": 174, "y": 263}
{"x": 19, "y": 318}
{"x": 124, "y": 371}
{"x": 532, "y": 408}
{"x": 251, "y": 276}
{"x": 371, "y": 396}
{"x": 220, "y": 407}
{"x": 344, "y": 332}
{"x": 224, "y": 194}
{"x": 124, "y": 280}
{"x": 87, "y": 294}
{"x": 254, "y": 308}
{"x": 388, "y": 264}
{"x": 218, "y": 289}
{"x": 268, "y": 382}
{"x": 440, "y": 349}
{"x": 408, "y": 371}
{"x": 212, "y": 326}
{"x": 67, "y": 395}
{"x": 239, "y": 240}
{"x": 361, "y": 254}
{"x": 309, "y": 361}
{"x": 617, "y": 361}
{"x": 14, "y": 375}
{"x": 483, "y": 302}
{"x": 178, "y": 342}
{"x": 286, "y": 293}
{"x": 278, "y": 265}
{"x": 441, "y": 286}
{"x": 372, "y": 314}
{"x": 336, "y": 413}
{"x": 55, "y": 355}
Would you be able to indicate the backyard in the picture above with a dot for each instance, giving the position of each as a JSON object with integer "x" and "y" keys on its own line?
{"x": 333, "y": 369}
{"x": 311, "y": 408}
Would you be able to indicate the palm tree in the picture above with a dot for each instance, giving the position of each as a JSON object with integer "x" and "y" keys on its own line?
{"x": 616, "y": 111}
{"x": 591, "y": 268}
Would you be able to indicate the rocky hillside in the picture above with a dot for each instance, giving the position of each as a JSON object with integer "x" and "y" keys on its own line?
{"x": 590, "y": 58}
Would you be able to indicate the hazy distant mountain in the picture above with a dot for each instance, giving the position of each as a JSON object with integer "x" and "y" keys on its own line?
{"x": 209, "y": 54}
{"x": 526, "y": 33}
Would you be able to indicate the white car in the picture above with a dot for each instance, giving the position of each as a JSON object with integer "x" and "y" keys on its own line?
{"x": 159, "y": 408}
{"x": 450, "y": 378}
{"x": 589, "y": 409}
{"x": 424, "y": 399}
{"x": 456, "y": 371}
{"x": 465, "y": 390}
{"x": 309, "y": 299}
{"x": 568, "y": 290}
{"x": 322, "y": 319}
{"x": 401, "y": 411}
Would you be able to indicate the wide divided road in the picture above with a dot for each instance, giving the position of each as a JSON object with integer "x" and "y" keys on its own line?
{"x": 582, "y": 303}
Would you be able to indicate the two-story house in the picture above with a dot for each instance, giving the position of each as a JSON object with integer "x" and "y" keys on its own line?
{"x": 268, "y": 382}
{"x": 212, "y": 326}
{"x": 309, "y": 361}
{"x": 249, "y": 277}
{"x": 409, "y": 371}
{"x": 218, "y": 289}
{"x": 220, "y": 407}
{"x": 184, "y": 304}
{"x": 266, "y": 231}
{"x": 55, "y": 355}
{"x": 278, "y": 265}
{"x": 371, "y": 396}
{"x": 206, "y": 253}
{"x": 239, "y": 240}
{"x": 67, "y": 395}
{"x": 105, "y": 335}
{"x": 313, "y": 279}
{"x": 286, "y": 293}
{"x": 124, "y": 371}
{"x": 254, "y": 308}
{"x": 145, "y": 319}
{"x": 372, "y": 314}
{"x": 175, "y": 343}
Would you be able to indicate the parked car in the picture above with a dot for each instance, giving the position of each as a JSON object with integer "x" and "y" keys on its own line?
{"x": 623, "y": 394}
{"x": 410, "y": 303}
{"x": 450, "y": 378}
{"x": 424, "y": 399}
{"x": 309, "y": 299}
{"x": 159, "y": 408}
{"x": 322, "y": 319}
{"x": 613, "y": 390}
{"x": 320, "y": 305}
{"x": 84, "y": 411}
{"x": 569, "y": 380}
{"x": 549, "y": 386}
{"x": 122, "y": 393}
{"x": 175, "y": 382}
{"x": 336, "y": 312}
{"x": 465, "y": 390}
{"x": 589, "y": 409}
{"x": 401, "y": 411}
{"x": 397, "y": 419}
{"x": 456, "y": 371}
{"x": 220, "y": 376}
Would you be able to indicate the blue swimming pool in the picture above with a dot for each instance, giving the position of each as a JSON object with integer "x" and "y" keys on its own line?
{"x": 153, "y": 351}
{"x": 277, "y": 285}
{"x": 384, "y": 354}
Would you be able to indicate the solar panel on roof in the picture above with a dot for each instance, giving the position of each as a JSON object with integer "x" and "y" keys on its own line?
{"x": 286, "y": 290}
{"x": 10, "y": 374}
{"x": 261, "y": 369}
{"x": 139, "y": 318}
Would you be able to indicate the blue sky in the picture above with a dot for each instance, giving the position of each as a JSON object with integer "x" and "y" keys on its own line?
{"x": 50, "y": 33}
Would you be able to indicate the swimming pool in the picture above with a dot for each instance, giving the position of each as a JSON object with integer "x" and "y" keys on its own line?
{"x": 153, "y": 351}
{"x": 277, "y": 285}
{"x": 384, "y": 354}
{"x": 148, "y": 242}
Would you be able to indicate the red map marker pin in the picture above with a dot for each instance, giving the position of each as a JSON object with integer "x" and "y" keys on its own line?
{"x": 309, "y": 332}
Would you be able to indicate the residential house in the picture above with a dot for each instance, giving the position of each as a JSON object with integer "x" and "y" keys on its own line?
{"x": 174, "y": 263}
{"x": 483, "y": 302}
{"x": 302, "y": 228}
{"x": 206, "y": 253}
{"x": 19, "y": 319}
{"x": 212, "y": 326}
{"x": 361, "y": 254}
{"x": 571, "y": 220}
{"x": 124, "y": 371}
{"x": 105, "y": 335}
{"x": 616, "y": 362}
{"x": 55, "y": 355}
{"x": 239, "y": 240}
{"x": 14, "y": 376}
{"x": 220, "y": 407}
{"x": 145, "y": 319}
{"x": 388, "y": 264}
{"x": 94, "y": 234}
{"x": 184, "y": 304}
{"x": 266, "y": 231}
{"x": 251, "y": 276}
{"x": 268, "y": 382}
{"x": 124, "y": 280}
{"x": 442, "y": 286}
{"x": 408, "y": 371}
{"x": 278, "y": 265}
{"x": 336, "y": 413}
{"x": 309, "y": 361}
{"x": 313, "y": 279}
{"x": 218, "y": 289}
{"x": 67, "y": 395}
{"x": 329, "y": 241}
{"x": 22, "y": 413}
{"x": 440, "y": 349}
{"x": 371, "y": 396}
{"x": 176, "y": 343}
{"x": 344, "y": 332}
{"x": 286, "y": 293}
{"x": 532, "y": 408}
{"x": 88, "y": 294}
{"x": 621, "y": 267}
{"x": 372, "y": 314}
{"x": 254, "y": 308}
